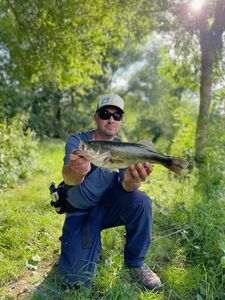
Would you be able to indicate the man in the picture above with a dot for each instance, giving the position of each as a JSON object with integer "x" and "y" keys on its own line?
{"x": 104, "y": 199}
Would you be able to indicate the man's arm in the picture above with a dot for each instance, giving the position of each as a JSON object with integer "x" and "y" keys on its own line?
{"x": 75, "y": 170}
{"x": 134, "y": 175}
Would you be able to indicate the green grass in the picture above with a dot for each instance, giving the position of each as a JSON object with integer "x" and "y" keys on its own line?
{"x": 187, "y": 248}
{"x": 28, "y": 224}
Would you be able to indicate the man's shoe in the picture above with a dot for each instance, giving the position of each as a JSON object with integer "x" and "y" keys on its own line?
{"x": 148, "y": 278}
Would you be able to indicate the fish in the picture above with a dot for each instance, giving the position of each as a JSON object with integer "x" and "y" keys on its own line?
{"x": 115, "y": 155}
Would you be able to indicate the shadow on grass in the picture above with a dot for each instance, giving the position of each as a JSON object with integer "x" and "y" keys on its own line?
{"x": 50, "y": 287}
{"x": 121, "y": 287}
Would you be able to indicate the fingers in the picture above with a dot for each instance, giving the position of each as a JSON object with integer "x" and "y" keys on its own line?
{"x": 139, "y": 172}
{"x": 75, "y": 155}
{"x": 133, "y": 172}
{"x": 79, "y": 164}
{"x": 148, "y": 167}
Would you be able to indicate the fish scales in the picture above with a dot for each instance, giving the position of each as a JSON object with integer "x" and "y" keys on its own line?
{"x": 115, "y": 155}
{"x": 129, "y": 151}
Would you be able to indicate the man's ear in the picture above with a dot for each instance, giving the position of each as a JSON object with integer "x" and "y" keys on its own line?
{"x": 95, "y": 117}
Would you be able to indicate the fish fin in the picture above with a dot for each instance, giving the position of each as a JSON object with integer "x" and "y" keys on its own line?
{"x": 112, "y": 161}
{"x": 178, "y": 165}
{"x": 147, "y": 144}
{"x": 115, "y": 160}
{"x": 110, "y": 168}
{"x": 115, "y": 170}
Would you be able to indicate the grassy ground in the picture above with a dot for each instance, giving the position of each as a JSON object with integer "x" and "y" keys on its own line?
{"x": 187, "y": 251}
{"x": 28, "y": 224}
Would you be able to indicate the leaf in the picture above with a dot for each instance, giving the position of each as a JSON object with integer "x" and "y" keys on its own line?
{"x": 36, "y": 258}
{"x": 1, "y": 256}
{"x": 222, "y": 260}
{"x": 32, "y": 263}
{"x": 199, "y": 297}
{"x": 30, "y": 266}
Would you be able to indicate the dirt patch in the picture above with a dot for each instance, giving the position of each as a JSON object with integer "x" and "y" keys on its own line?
{"x": 19, "y": 289}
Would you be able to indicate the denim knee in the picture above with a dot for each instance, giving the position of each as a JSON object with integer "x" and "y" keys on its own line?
{"x": 140, "y": 200}
{"x": 136, "y": 204}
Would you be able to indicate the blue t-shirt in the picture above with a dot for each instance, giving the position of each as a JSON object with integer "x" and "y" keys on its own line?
{"x": 88, "y": 193}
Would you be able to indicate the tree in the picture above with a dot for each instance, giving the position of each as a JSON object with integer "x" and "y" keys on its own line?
{"x": 207, "y": 23}
{"x": 49, "y": 50}
{"x": 63, "y": 41}
{"x": 150, "y": 98}
{"x": 211, "y": 46}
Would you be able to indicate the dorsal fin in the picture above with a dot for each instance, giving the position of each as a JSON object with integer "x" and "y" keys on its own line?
{"x": 147, "y": 144}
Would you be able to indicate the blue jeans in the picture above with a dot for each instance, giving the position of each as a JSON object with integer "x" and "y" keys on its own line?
{"x": 117, "y": 207}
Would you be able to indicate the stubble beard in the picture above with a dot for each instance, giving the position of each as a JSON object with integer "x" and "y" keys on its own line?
{"x": 106, "y": 133}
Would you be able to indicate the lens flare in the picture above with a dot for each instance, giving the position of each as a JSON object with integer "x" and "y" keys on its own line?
{"x": 196, "y": 4}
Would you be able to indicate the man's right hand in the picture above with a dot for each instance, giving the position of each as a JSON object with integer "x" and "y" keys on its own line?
{"x": 79, "y": 164}
{"x": 74, "y": 172}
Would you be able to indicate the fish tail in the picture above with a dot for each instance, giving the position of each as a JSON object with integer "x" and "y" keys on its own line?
{"x": 177, "y": 165}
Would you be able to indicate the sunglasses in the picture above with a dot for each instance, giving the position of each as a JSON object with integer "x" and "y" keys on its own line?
{"x": 105, "y": 115}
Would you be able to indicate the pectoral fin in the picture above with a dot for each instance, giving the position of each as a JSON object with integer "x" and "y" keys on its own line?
{"x": 114, "y": 164}
{"x": 115, "y": 160}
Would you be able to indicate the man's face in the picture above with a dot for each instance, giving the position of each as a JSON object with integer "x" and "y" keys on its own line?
{"x": 108, "y": 127}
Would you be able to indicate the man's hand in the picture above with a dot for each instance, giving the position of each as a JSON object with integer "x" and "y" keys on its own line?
{"x": 78, "y": 164}
{"x": 76, "y": 169}
{"x": 135, "y": 174}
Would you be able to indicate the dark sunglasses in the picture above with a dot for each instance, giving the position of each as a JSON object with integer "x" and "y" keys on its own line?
{"x": 105, "y": 115}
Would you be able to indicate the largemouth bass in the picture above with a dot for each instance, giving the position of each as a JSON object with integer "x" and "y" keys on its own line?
{"x": 119, "y": 155}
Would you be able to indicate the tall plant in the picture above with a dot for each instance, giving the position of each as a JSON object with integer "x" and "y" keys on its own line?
{"x": 17, "y": 146}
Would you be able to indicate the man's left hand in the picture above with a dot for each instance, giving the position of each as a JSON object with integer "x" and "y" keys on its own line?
{"x": 135, "y": 174}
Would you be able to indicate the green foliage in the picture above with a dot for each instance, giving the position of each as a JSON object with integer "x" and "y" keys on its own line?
{"x": 182, "y": 281}
{"x": 153, "y": 97}
{"x": 55, "y": 58}
{"x": 187, "y": 250}
{"x": 28, "y": 224}
{"x": 61, "y": 41}
{"x": 57, "y": 112}
{"x": 188, "y": 235}
{"x": 185, "y": 124}
{"x": 215, "y": 150}
{"x": 181, "y": 71}
{"x": 58, "y": 57}
{"x": 17, "y": 150}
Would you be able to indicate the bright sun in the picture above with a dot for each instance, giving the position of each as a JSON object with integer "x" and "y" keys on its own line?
{"x": 196, "y": 4}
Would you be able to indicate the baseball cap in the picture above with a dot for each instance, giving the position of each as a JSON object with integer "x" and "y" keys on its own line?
{"x": 110, "y": 99}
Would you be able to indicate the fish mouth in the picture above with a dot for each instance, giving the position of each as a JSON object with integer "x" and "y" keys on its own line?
{"x": 83, "y": 146}
{"x": 87, "y": 151}
{"x": 95, "y": 156}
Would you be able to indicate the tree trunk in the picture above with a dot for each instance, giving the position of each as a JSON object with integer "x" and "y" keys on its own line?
{"x": 211, "y": 43}
{"x": 205, "y": 99}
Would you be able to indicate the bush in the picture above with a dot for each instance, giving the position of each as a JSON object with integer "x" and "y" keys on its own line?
{"x": 17, "y": 147}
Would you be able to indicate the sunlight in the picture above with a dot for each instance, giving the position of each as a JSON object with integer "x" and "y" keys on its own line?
{"x": 196, "y": 4}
